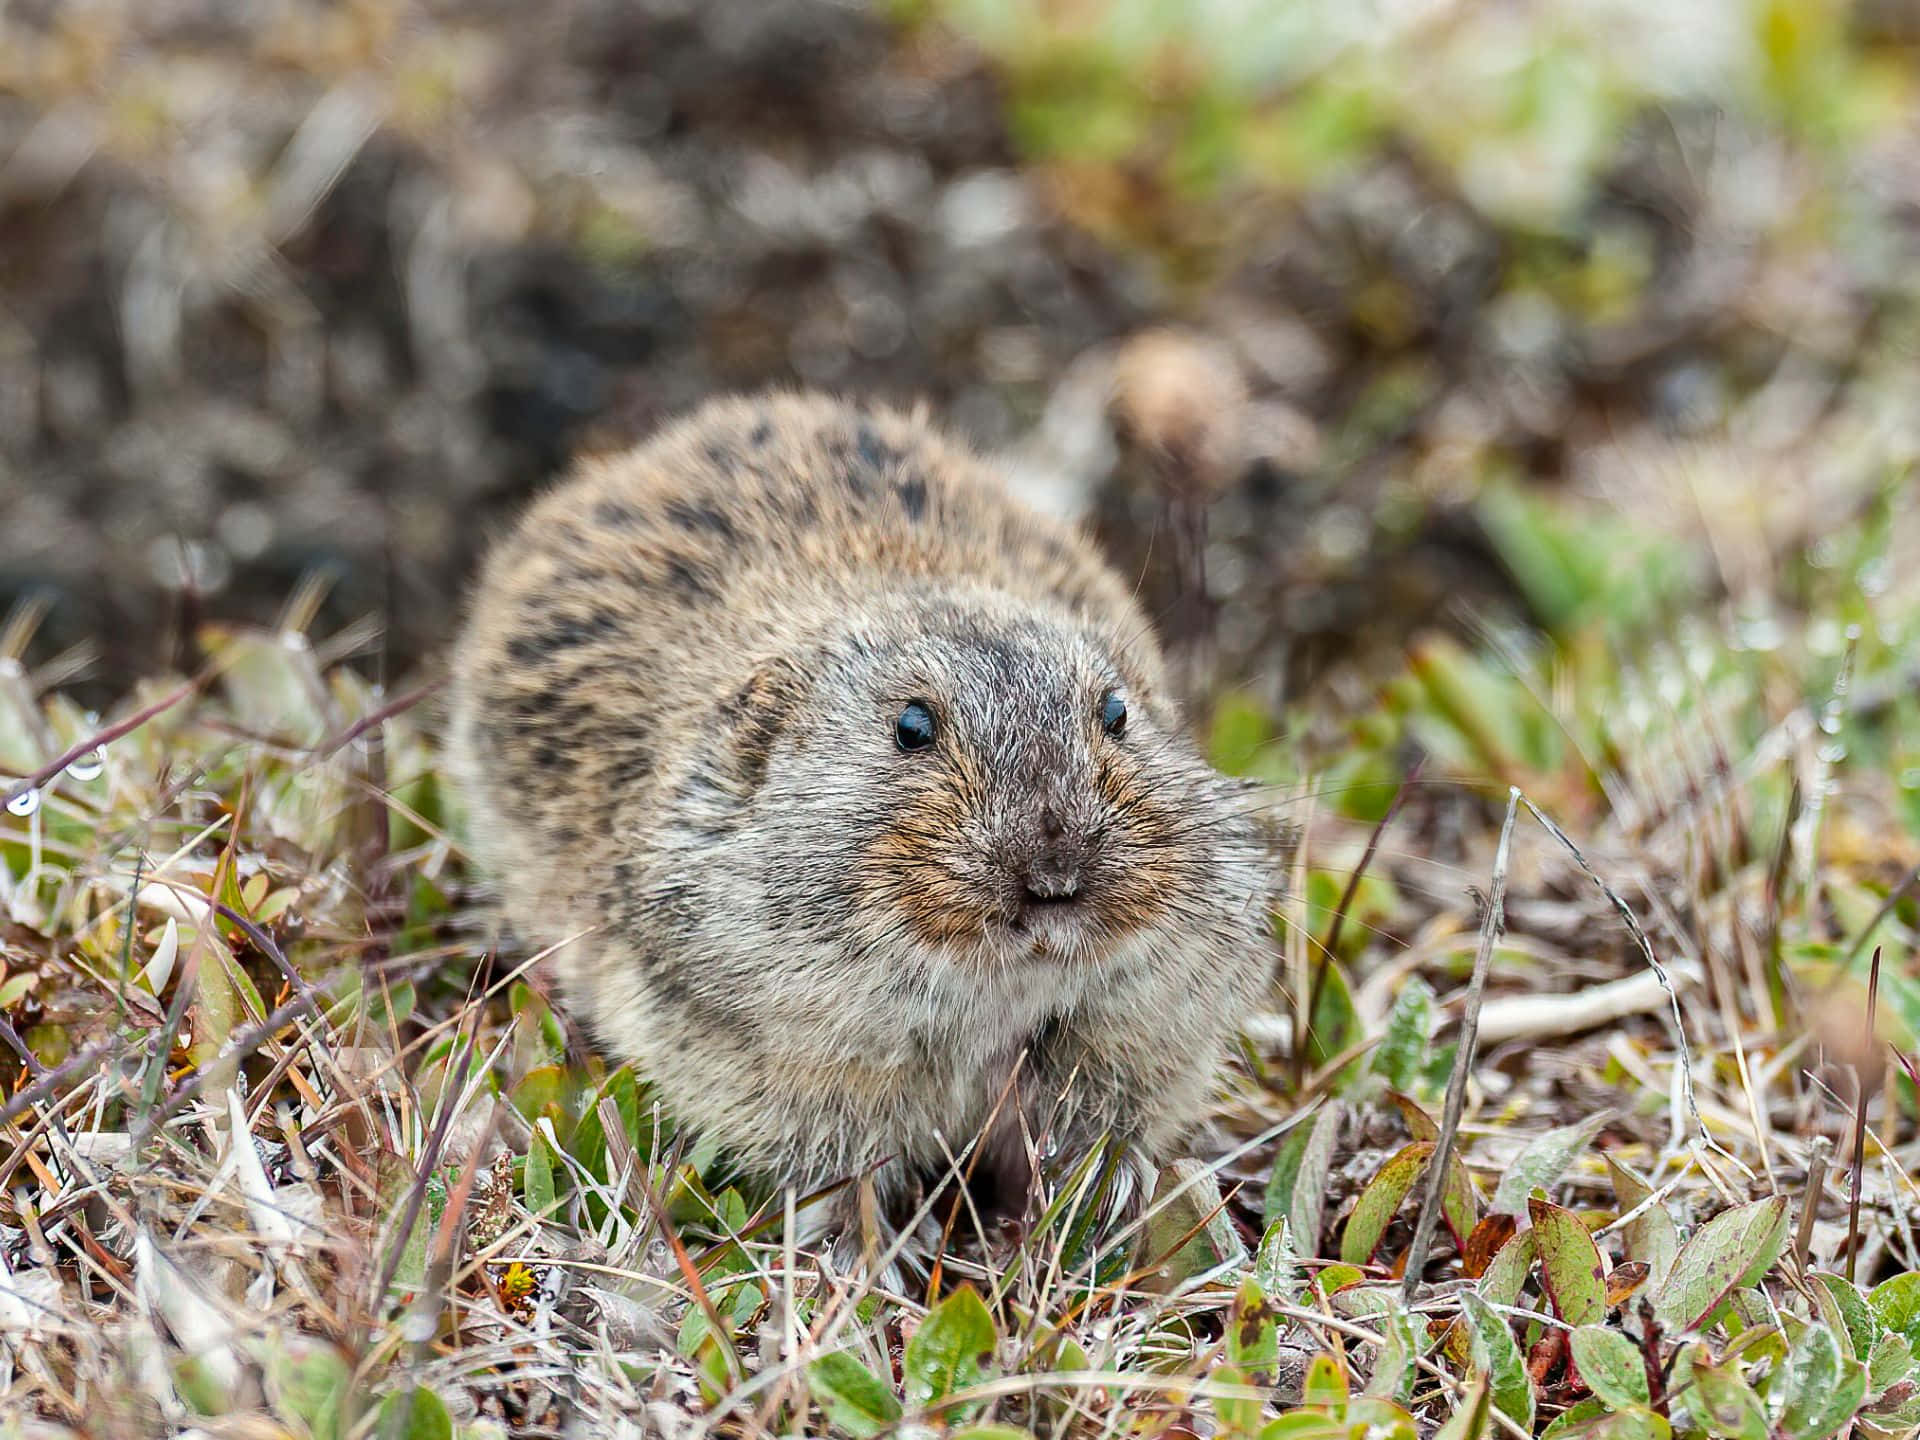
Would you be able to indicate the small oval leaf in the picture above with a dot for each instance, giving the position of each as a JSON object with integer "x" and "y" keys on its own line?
{"x": 1570, "y": 1264}
{"x": 1543, "y": 1161}
{"x": 1507, "y": 1272}
{"x": 1326, "y": 1385}
{"x": 1380, "y": 1201}
{"x": 948, "y": 1351}
{"x": 1822, "y": 1389}
{"x": 853, "y": 1397}
{"x": 1611, "y": 1366}
{"x": 1496, "y": 1355}
{"x": 1724, "y": 1401}
{"x": 416, "y": 1414}
{"x": 1730, "y": 1251}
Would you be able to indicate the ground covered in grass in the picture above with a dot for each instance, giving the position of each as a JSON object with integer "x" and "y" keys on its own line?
{"x": 292, "y": 1147}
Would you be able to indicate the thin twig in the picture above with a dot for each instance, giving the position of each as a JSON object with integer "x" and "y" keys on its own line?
{"x": 88, "y": 1059}
{"x": 1329, "y": 948}
{"x": 1818, "y": 1154}
{"x": 1640, "y": 939}
{"x": 365, "y": 723}
{"x": 1860, "y": 1119}
{"x": 1899, "y": 892}
{"x": 688, "y": 1270}
{"x": 48, "y": 772}
{"x": 1491, "y": 925}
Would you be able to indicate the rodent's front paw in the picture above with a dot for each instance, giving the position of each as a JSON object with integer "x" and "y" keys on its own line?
{"x": 1119, "y": 1182}
{"x": 1127, "y": 1195}
{"x": 859, "y": 1232}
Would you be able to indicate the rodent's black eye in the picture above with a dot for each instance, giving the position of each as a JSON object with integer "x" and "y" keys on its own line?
{"x": 914, "y": 729}
{"x": 1113, "y": 714}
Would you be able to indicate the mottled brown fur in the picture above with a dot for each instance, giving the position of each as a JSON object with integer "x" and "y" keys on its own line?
{"x": 674, "y": 708}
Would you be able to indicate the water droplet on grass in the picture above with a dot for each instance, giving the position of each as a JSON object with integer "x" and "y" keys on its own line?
{"x": 89, "y": 765}
{"x": 24, "y": 804}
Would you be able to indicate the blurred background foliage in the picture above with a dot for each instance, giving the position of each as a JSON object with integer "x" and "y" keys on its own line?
{"x": 1555, "y": 317}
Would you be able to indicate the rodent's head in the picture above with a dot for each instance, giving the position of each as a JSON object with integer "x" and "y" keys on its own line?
{"x": 964, "y": 776}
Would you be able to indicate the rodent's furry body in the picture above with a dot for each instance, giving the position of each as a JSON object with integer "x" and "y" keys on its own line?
{"x": 675, "y": 709}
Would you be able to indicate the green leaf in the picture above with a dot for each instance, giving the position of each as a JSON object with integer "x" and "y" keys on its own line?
{"x": 1544, "y": 1160}
{"x": 1611, "y": 1366}
{"x": 1845, "y": 1309}
{"x": 1306, "y": 1193}
{"x": 1409, "y": 1025}
{"x": 1068, "y": 1355}
{"x": 1237, "y": 1414}
{"x": 1335, "y": 1277}
{"x": 1722, "y": 1401}
{"x": 948, "y": 1350}
{"x": 991, "y": 1432}
{"x": 1253, "y": 1337}
{"x": 1896, "y": 1305}
{"x": 589, "y": 1144}
{"x": 311, "y": 1386}
{"x": 1650, "y": 1236}
{"x": 1890, "y": 1362}
{"x": 1378, "y": 1419}
{"x": 1287, "y": 1160}
{"x": 1393, "y": 1369}
{"x": 1819, "y": 1389}
{"x": 1188, "y": 1229}
{"x": 853, "y": 1398}
{"x": 1732, "y": 1250}
{"x": 18, "y": 985}
{"x": 1508, "y": 1271}
{"x": 1570, "y": 1264}
{"x": 1304, "y": 1425}
{"x": 536, "y": 1178}
{"x": 416, "y": 1414}
{"x": 1420, "y": 1125}
{"x": 1472, "y": 1419}
{"x": 541, "y": 1091}
{"x": 1276, "y": 1264}
{"x": 1379, "y": 1202}
{"x": 1576, "y": 1419}
{"x": 1636, "y": 1422}
{"x": 1459, "y": 1201}
{"x": 1496, "y": 1356}
{"x": 1359, "y": 1302}
{"x": 1336, "y": 1021}
{"x": 202, "y": 1388}
{"x": 1326, "y": 1385}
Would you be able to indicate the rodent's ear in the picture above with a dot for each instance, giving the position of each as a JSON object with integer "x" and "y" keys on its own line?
{"x": 756, "y": 713}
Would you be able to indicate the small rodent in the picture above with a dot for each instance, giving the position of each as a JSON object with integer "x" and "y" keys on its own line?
{"x": 868, "y": 784}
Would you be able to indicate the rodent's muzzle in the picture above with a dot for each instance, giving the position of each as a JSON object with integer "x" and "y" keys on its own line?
{"x": 1053, "y": 862}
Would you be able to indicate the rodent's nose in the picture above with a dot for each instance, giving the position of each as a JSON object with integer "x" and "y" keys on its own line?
{"x": 1052, "y": 882}
{"x": 1052, "y": 858}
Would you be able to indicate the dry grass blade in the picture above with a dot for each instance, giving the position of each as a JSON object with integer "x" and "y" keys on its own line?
{"x": 1443, "y": 1148}
{"x": 1818, "y": 1156}
{"x": 1868, "y": 1045}
{"x": 1645, "y": 946}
